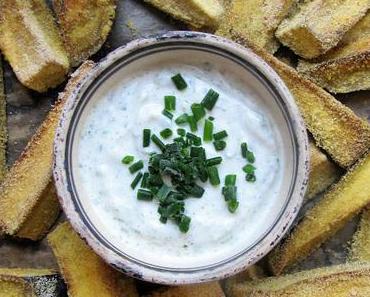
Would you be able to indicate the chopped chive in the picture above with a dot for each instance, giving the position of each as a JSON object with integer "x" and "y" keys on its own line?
{"x": 146, "y": 137}
{"x": 166, "y": 133}
{"x": 192, "y": 123}
{"x": 219, "y": 145}
{"x": 249, "y": 169}
{"x": 210, "y": 99}
{"x": 136, "y": 180}
{"x": 250, "y": 157}
{"x": 230, "y": 180}
{"x": 208, "y": 130}
{"x": 144, "y": 181}
{"x": 144, "y": 195}
{"x": 198, "y": 111}
{"x": 158, "y": 142}
{"x": 182, "y": 119}
{"x": 250, "y": 177}
{"x": 196, "y": 191}
{"x": 127, "y": 160}
{"x": 214, "y": 161}
{"x": 184, "y": 223}
{"x": 211, "y": 118}
{"x": 229, "y": 192}
{"x": 181, "y": 132}
{"x": 136, "y": 166}
{"x": 194, "y": 139}
{"x": 213, "y": 176}
{"x": 169, "y": 103}
{"x": 244, "y": 148}
{"x": 220, "y": 135}
{"x": 197, "y": 152}
{"x": 232, "y": 205}
{"x": 163, "y": 192}
{"x": 179, "y": 82}
{"x": 167, "y": 114}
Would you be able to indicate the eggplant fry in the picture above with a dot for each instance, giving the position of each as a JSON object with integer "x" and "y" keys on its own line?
{"x": 30, "y": 41}
{"x": 199, "y": 290}
{"x": 3, "y": 126}
{"x": 339, "y": 205}
{"x": 256, "y": 21}
{"x": 85, "y": 273}
{"x": 85, "y": 25}
{"x": 326, "y": 118}
{"x": 196, "y": 13}
{"x": 20, "y": 282}
{"x": 360, "y": 247}
{"x": 28, "y": 179}
{"x": 323, "y": 172}
{"x": 345, "y": 68}
{"x": 319, "y": 25}
{"x": 339, "y": 281}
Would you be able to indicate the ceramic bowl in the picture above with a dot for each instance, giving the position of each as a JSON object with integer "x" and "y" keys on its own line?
{"x": 182, "y": 46}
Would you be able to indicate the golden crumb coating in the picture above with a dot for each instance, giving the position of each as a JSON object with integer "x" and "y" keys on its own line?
{"x": 85, "y": 25}
{"x": 256, "y": 21}
{"x": 360, "y": 247}
{"x": 30, "y": 41}
{"x": 253, "y": 272}
{"x": 319, "y": 25}
{"x": 196, "y": 13}
{"x": 85, "y": 273}
{"x": 346, "y": 68}
{"x": 323, "y": 172}
{"x": 198, "y": 290}
{"x": 339, "y": 205}
{"x": 3, "y": 126}
{"x": 349, "y": 280}
{"x": 27, "y": 180}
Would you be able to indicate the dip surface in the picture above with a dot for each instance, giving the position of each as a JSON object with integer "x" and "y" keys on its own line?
{"x": 113, "y": 128}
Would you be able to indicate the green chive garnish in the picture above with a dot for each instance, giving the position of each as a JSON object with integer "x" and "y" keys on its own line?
{"x": 182, "y": 119}
{"x": 146, "y": 137}
{"x": 166, "y": 133}
{"x": 192, "y": 123}
{"x": 244, "y": 148}
{"x": 136, "y": 180}
{"x": 181, "y": 132}
{"x": 232, "y": 205}
{"x": 197, "y": 152}
{"x": 219, "y": 145}
{"x": 213, "y": 176}
{"x": 144, "y": 181}
{"x": 230, "y": 180}
{"x": 220, "y": 135}
{"x": 184, "y": 223}
{"x": 127, "y": 160}
{"x": 158, "y": 142}
{"x": 208, "y": 130}
{"x": 144, "y": 195}
{"x": 179, "y": 82}
{"x": 167, "y": 114}
{"x": 195, "y": 140}
{"x": 249, "y": 169}
{"x": 250, "y": 157}
{"x": 214, "y": 161}
{"x": 136, "y": 166}
{"x": 250, "y": 177}
{"x": 210, "y": 99}
{"x": 211, "y": 118}
{"x": 163, "y": 192}
{"x": 170, "y": 103}
{"x": 198, "y": 111}
{"x": 229, "y": 192}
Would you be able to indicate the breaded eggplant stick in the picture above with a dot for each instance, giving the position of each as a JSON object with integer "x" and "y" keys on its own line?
{"x": 360, "y": 247}
{"x": 345, "y": 68}
{"x": 85, "y": 273}
{"x": 335, "y": 127}
{"x": 31, "y": 43}
{"x": 85, "y": 25}
{"x": 339, "y": 205}
{"x": 333, "y": 281}
{"x": 196, "y": 13}
{"x": 323, "y": 172}
{"x": 19, "y": 282}
{"x": 319, "y": 25}
{"x": 27, "y": 181}
{"x": 256, "y": 21}
{"x": 200, "y": 290}
{"x": 3, "y": 126}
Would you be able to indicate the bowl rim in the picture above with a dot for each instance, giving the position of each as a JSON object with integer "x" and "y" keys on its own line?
{"x": 166, "y": 276}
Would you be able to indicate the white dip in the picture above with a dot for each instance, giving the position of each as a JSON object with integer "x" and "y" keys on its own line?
{"x": 113, "y": 129}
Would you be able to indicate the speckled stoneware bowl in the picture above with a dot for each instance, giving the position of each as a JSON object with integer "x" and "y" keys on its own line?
{"x": 181, "y": 46}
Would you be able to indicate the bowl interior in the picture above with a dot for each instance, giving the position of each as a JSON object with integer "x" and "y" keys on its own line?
{"x": 120, "y": 67}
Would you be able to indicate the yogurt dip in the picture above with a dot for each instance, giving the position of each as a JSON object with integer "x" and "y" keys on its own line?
{"x": 113, "y": 128}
